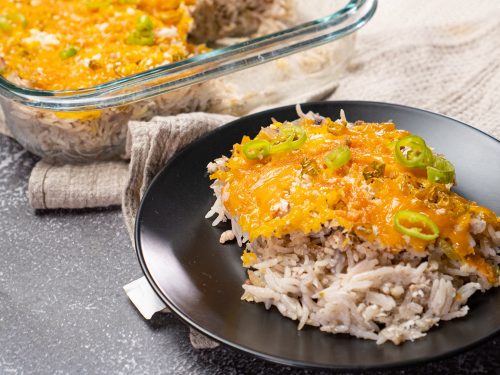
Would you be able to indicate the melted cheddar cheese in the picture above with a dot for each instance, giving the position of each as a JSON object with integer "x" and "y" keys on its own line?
{"x": 34, "y": 33}
{"x": 277, "y": 195}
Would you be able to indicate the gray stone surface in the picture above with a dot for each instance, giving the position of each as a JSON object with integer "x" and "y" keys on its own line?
{"x": 63, "y": 309}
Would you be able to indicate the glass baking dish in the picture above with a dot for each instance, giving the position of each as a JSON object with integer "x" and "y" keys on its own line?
{"x": 91, "y": 123}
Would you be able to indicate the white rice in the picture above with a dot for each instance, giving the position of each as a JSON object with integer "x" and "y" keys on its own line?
{"x": 378, "y": 296}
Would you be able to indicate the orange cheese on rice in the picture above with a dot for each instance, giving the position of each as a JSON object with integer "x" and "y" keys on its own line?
{"x": 274, "y": 197}
{"x": 34, "y": 33}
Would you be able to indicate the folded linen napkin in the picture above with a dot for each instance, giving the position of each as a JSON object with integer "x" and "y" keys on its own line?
{"x": 77, "y": 186}
{"x": 150, "y": 145}
{"x": 443, "y": 56}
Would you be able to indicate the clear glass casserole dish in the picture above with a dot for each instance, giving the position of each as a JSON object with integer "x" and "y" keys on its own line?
{"x": 235, "y": 77}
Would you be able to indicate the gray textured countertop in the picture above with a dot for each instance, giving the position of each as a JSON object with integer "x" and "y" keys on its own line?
{"x": 63, "y": 309}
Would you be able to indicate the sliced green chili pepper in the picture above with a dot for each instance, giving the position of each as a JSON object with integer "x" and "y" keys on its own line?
{"x": 338, "y": 157}
{"x": 5, "y": 24}
{"x": 22, "y": 18}
{"x": 140, "y": 39}
{"x": 418, "y": 155}
{"x": 282, "y": 146}
{"x": 420, "y": 222}
{"x": 144, "y": 23}
{"x": 298, "y": 134}
{"x": 18, "y": 18}
{"x": 143, "y": 34}
{"x": 68, "y": 52}
{"x": 256, "y": 149}
{"x": 282, "y": 143}
{"x": 441, "y": 171}
{"x": 290, "y": 138}
{"x": 392, "y": 145}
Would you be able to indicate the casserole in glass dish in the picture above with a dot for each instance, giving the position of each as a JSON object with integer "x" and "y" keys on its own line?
{"x": 74, "y": 106}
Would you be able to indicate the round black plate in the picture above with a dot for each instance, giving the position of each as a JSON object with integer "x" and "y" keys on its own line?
{"x": 200, "y": 280}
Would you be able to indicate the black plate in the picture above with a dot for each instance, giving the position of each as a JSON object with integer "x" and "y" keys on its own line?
{"x": 200, "y": 280}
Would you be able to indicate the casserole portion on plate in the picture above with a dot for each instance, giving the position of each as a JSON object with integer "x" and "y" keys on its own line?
{"x": 353, "y": 228}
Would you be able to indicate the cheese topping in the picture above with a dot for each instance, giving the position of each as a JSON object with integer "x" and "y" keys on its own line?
{"x": 71, "y": 44}
{"x": 294, "y": 191}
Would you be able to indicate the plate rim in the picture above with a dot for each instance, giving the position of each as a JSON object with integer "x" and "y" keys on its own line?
{"x": 271, "y": 358}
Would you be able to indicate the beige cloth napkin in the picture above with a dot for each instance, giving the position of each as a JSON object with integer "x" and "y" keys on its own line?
{"x": 77, "y": 186}
{"x": 150, "y": 145}
{"x": 441, "y": 55}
